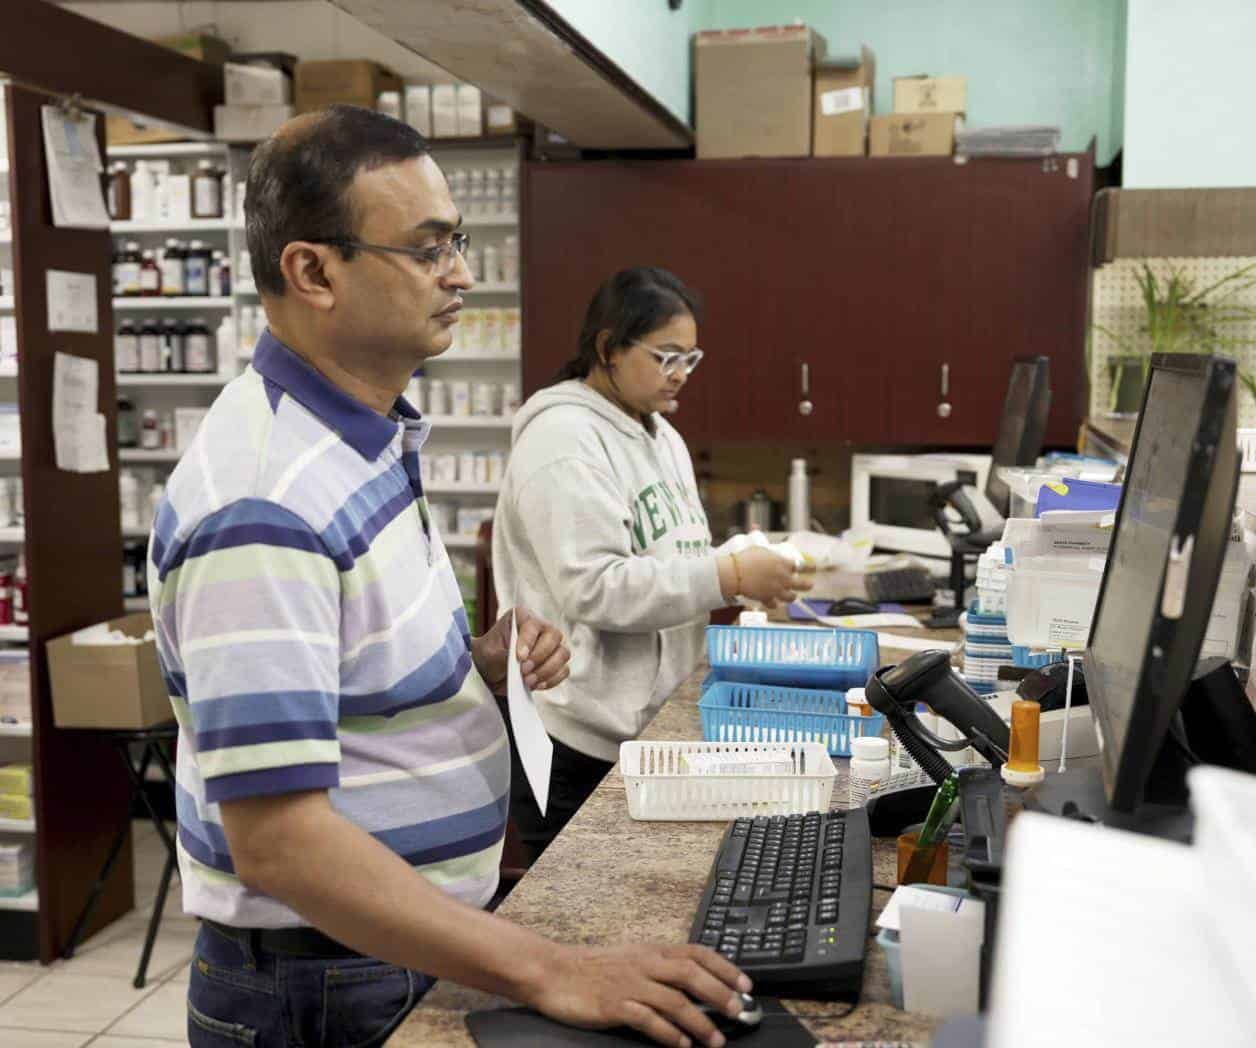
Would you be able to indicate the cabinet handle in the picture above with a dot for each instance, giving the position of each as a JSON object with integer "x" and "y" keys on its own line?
{"x": 805, "y": 406}
{"x": 946, "y": 380}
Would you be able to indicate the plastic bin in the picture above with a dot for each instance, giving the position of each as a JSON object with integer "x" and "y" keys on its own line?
{"x": 1051, "y": 607}
{"x": 1024, "y": 484}
{"x": 794, "y": 657}
{"x": 1034, "y": 660}
{"x": 889, "y": 942}
{"x": 735, "y": 712}
{"x": 659, "y": 786}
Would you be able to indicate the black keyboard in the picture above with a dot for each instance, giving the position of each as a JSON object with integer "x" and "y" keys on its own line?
{"x": 788, "y": 901}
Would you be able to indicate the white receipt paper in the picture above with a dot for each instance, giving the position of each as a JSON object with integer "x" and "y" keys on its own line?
{"x": 78, "y": 428}
{"x": 71, "y": 301}
{"x": 536, "y": 748}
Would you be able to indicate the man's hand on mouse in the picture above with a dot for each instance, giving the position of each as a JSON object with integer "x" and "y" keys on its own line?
{"x": 649, "y": 988}
{"x": 542, "y": 652}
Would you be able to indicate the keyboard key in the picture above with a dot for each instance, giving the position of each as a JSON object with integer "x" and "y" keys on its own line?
{"x": 711, "y": 939}
{"x": 759, "y": 956}
{"x": 737, "y": 916}
{"x": 742, "y": 893}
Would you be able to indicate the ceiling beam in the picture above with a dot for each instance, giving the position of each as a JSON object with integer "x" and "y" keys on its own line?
{"x": 51, "y": 48}
{"x": 523, "y": 53}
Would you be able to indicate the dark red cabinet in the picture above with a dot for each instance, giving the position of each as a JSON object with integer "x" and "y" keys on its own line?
{"x": 874, "y": 274}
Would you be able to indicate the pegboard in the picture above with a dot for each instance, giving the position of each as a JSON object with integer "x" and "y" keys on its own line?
{"x": 1117, "y": 304}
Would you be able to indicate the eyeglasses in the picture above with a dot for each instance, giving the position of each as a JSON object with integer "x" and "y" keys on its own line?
{"x": 671, "y": 364}
{"x": 440, "y": 257}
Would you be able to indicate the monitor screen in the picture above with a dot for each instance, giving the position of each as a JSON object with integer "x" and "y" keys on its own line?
{"x": 1180, "y": 484}
{"x": 1022, "y": 425}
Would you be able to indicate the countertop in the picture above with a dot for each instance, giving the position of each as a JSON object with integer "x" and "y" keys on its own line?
{"x": 607, "y": 880}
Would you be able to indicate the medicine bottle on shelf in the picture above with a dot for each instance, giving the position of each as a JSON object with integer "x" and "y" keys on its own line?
{"x": 150, "y": 347}
{"x": 196, "y": 269}
{"x": 127, "y": 271}
{"x": 150, "y": 275}
{"x": 21, "y": 612}
{"x": 119, "y": 193}
{"x": 173, "y": 338}
{"x": 172, "y": 269}
{"x": 207, "y": 191}
{"x": 150, "y": 431}
{"x": 126, "y": 348}
{"x": 128, "y": 430}
{"x": 198, "y": 352}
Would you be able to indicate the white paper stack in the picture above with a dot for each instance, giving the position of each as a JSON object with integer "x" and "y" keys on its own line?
{"x": 17, "y": 867}
{"x": 1008, "y": 140}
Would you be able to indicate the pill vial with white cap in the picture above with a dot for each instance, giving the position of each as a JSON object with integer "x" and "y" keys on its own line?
{"x": 869, "y": 765}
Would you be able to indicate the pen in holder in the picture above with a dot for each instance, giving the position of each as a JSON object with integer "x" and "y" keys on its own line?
{"x": 927, "y": 852}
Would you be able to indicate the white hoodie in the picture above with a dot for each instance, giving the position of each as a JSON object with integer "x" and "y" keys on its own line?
{"x": 600, "y": 531}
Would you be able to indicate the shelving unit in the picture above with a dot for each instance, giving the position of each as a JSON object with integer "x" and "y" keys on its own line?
{"x": 130, "y": 604}
{"x": 28, "y": 902}
{"x": 138, "y": 455}
{"x": 12, "y": 535}
{"x": 459, "y": 541}
{"x": 14, "y": 634}
{"x": 6, "y": 303}
{"x": 461, "y": 489}
{"x": 493, "y": 289}
{"x": 17, "y": 825}
{"x": 192, "y": 225}
{"x": 142, "y": 380}
{"x": 469, "y": 421}
{"x": 154, "y": 303}
{"x": 168, "y": 149}
{"x": 15, "y": 731}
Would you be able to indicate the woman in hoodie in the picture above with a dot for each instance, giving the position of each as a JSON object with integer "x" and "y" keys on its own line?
{"x": 600, "y": 531}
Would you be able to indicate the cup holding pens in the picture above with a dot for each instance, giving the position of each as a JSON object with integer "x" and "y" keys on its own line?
{"x": 927, "y": 869}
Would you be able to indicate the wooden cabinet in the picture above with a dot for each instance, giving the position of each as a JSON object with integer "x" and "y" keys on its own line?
{"x": 873, "y": 273}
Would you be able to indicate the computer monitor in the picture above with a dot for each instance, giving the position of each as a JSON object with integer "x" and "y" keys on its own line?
{"x": 1022, "y": 425}
{"x": 1170, "y": 536}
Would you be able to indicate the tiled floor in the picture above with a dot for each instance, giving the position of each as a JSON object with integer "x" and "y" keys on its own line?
{"x": 89, "y": 1000}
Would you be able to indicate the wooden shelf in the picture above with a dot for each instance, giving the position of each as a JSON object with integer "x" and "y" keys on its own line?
{"x": 492, "y": 289}
{"x": 455, "y": 356}
{"x": 16, "y": 731}
{"x": 155, "y": 303}
{"x": 461, "y": 489}
{"x": 145, "y": 455}
{"x": 165, "y": 149}
{"x": 481, "y": 142}
{"x": 28, "y": 902}
{"x": 12, "y": 535}
{"x": 14, "y": 634}
{"x": 490, "y": 221}
{"x": 469, "y": 421}
{"x": 193, "y": 225}
{"x": 17, "y": 825}
{"x": 214, "y": 379}
{"x": 6, "y": 302}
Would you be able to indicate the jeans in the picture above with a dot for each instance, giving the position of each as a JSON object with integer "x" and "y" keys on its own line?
{"x": 240, "y": 997}
{"x": 573, "y": 776}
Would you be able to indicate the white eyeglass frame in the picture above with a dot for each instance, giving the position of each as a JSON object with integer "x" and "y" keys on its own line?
{"x": 668, "y": 362}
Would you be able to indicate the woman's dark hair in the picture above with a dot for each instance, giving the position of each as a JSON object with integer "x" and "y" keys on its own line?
{"x": 629, "y": 305}
{"x": 299, "y": 180}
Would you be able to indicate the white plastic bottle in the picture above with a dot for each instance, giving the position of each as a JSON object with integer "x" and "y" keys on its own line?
{"x": 869, "y": 765}
{"x": 799, "y": 515}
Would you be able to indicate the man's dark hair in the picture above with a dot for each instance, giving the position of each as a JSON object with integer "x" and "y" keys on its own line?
{"x": 298, "y": 187}
{"x": 628, "y": 305}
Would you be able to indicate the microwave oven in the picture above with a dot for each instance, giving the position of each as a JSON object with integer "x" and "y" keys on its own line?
{"x": 890, "y": 497}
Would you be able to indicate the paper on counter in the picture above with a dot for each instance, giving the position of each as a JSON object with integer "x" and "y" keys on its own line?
{"x": 78, "y": 428}
{"x": 906, "y": 895}
{"x": 536, "y": 748}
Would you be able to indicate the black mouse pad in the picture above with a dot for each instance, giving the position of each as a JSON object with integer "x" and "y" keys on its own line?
{"x": 524, "y": 1028}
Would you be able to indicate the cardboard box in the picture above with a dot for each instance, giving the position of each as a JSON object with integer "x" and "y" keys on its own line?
{"x": 121, "y": 131}
{"x": 931, "y": 94}
{"x": 249, "y": 123}
{"x": 419, "y": 108}
{"x": 913, "y": 134}
{"x": 356, "y": 82}
{"x": 843, "y": 106}
{"x": 255, "y": 85}
{"x": 201, "y": 46}
{"x": 108, "y": 685}
{"x": 445, "y": 111}
{"x": 753, "y": 90}
{"x": 470, "y": 112}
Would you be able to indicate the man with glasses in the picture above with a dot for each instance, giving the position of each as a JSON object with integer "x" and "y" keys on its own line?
{"x": 343, "y": 771}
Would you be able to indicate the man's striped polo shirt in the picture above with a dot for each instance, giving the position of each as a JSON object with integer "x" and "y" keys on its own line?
{"x": 312, "y": 637}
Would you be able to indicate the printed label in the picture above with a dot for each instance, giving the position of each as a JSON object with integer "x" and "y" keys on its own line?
{"x": 739, "y": 763}
{"x": 848, "y": 100}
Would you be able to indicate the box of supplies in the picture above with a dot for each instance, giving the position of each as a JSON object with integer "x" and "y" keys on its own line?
{"x": 355, "y": 82}
{"x": 930, "y": 94}
{"x": 914, "y": 134}
{"x": 843, "y": 106}
{"x": 753, "y": 90}
{"x": 108, "y": 685}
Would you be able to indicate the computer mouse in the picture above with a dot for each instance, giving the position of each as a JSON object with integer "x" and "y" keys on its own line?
{"x": 853, "y": 606}
{"x": 747, "y": 1020}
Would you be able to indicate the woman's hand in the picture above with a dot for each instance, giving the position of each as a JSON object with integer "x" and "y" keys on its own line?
{"x": 762, "y": 575}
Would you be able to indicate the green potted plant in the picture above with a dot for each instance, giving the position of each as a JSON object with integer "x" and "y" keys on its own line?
{"x": 1179, "y": 318}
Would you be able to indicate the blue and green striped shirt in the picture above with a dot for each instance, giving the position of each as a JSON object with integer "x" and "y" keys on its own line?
{"x": 312, "y": 637}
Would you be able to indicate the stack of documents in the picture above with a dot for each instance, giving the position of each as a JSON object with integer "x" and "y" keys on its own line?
{"x": 1008, "y": 140}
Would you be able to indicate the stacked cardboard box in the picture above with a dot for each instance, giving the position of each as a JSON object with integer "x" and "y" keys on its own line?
{"x": 843, "y": 106}
{"x": 754, "y": 90}
{"x": 928, "y": 110}
{"x": 120, "y": 131}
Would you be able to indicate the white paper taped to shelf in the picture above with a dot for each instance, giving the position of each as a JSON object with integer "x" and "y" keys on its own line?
{"x": 74, "y": 168}
{"x": 72, "y": 301}
{"x": 848, "y": 100}
{"x": 78, "y": 428}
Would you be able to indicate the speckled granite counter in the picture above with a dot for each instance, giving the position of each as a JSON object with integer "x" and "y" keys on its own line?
{"x": 607, "y": 879}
